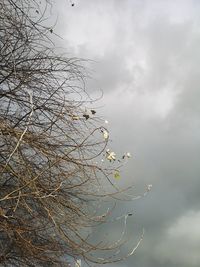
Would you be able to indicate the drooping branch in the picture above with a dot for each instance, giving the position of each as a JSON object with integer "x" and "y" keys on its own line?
{"x": 49, "y": 146}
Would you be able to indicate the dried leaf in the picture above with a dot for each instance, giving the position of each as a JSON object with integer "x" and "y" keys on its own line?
{"x": 105, "y": 134}
{"x": 86, "y": 116}
{"x": 111, "y": 155}
{"x": 75, "y": 118}
{"x": 93, "y": 111}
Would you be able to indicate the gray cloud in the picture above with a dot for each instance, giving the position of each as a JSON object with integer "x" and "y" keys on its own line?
{"x": 146, "y": 59}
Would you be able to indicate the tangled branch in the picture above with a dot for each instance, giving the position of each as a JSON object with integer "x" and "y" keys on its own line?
{"x": 48, "y": 148}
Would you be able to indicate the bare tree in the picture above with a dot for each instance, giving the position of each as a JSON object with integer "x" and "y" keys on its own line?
{"x": 49, "y": 145}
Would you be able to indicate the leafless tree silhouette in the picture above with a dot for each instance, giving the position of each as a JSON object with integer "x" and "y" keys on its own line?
{"x": 49, "y": 148}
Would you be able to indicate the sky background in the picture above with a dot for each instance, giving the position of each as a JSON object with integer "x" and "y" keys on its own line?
{"x": 146, "y": 59}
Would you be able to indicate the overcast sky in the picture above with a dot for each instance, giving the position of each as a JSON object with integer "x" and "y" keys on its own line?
{"x": 147, "y": 62}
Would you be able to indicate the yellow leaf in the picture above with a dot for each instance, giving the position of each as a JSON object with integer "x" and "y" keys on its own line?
{"x": 117, "y": 175}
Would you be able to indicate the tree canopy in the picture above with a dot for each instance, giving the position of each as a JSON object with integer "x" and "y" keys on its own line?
{"x": 51, "y": 144}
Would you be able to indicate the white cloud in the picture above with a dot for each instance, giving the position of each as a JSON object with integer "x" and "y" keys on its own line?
{"x": 162, "y": 102}
{"x": 146, "y": 105}
{"x": 181, "y": 243}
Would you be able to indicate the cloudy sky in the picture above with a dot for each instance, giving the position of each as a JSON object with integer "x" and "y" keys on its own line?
{"x": 146, "y": 59}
